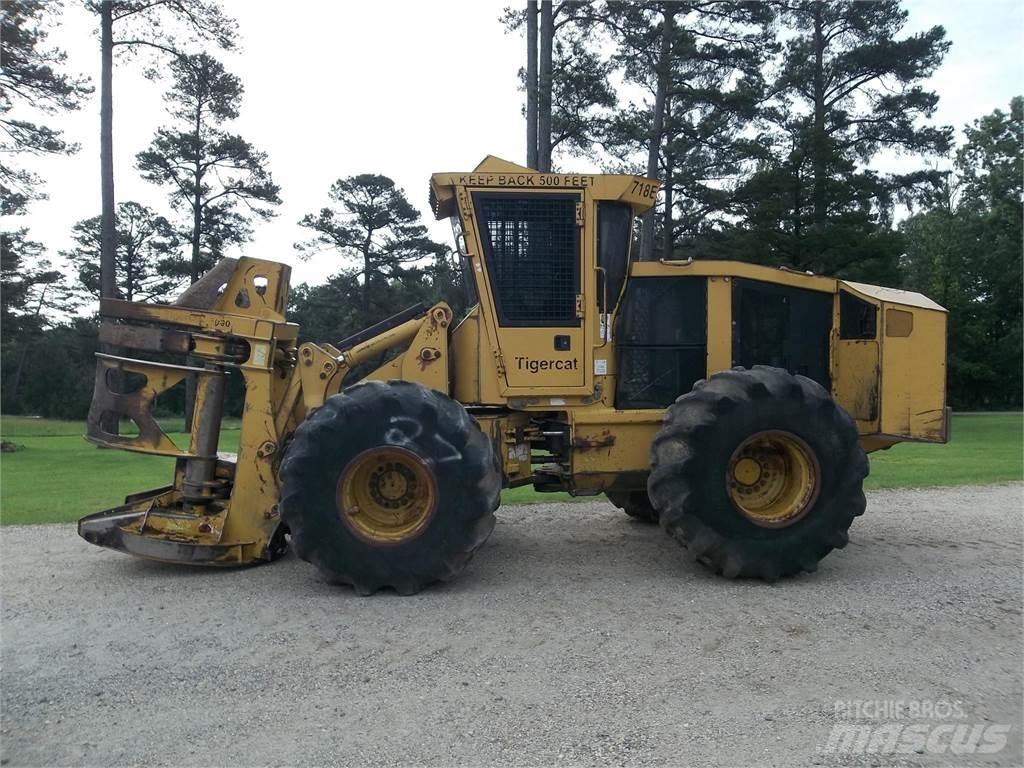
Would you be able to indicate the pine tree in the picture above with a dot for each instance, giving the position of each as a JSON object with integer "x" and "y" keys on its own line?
{"x": 164, "y": 27}
{"x": 566, "y": 79}
{"x": 32, "y": 81}
{"x": 848, "y": 87}
{"x": 698, "y": 68}
{"x": 32, "y": 290}
{"x": 33, "y": 85}
{"x": 377, "y": 233}
{"x": 209, "y": 170}
{"x": 965, "y": 252}
{"x": 147, "y": 268}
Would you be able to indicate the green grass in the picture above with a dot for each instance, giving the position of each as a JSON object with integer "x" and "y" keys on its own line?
{"x": 525, "y": 494}
{"x": 985, "y": 448}
{"x": 56, "y": 476}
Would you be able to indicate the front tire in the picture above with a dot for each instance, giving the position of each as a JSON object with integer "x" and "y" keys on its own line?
{"x": 389, "y": 485}
{"x": 758, "y": 473}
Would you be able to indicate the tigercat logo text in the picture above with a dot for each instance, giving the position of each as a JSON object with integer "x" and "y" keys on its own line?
{"x": 535, "y": 366}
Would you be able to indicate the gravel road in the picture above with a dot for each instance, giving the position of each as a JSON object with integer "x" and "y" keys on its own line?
{"x": 577, "y": 636}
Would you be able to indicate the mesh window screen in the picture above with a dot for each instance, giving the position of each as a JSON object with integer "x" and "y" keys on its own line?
{"x": 653, "y": 377}
{"x": 532, "y": 250}
{"x": 664, "y": 311}
{"x": 782, "y": 326}
{"x": 662, "y": 340}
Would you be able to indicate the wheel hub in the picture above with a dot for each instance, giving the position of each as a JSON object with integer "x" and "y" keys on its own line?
{"x": 747, "y": 471}
{"x": 773, "y": 478}
{"x": 386, "y": 495}
{"x": 393, "y": 485}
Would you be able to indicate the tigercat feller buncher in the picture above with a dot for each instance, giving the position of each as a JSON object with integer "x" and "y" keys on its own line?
{"x": 734, "y": 403}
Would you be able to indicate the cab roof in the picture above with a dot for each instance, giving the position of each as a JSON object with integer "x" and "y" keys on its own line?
{"x": 493, "y": 173}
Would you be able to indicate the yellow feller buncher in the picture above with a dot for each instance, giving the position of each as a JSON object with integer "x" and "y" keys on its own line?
{"x": 733, "y": 403}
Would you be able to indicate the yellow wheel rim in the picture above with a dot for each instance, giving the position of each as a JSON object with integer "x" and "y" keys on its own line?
{"x": 386, "y": 495}
{"x": 773, "y": 478}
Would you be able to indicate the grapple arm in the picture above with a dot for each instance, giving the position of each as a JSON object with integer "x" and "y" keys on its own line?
{"x": 233, "y": 319}
{"x": 221, "y": 509}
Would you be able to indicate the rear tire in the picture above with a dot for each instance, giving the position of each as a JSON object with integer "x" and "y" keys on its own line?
{"x": 698, "y": 484}
{"x": 389, "y": 485}
{"x": 636, "y": 504}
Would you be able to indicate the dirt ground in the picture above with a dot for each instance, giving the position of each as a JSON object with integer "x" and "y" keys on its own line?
{"x": 577, "y": 636}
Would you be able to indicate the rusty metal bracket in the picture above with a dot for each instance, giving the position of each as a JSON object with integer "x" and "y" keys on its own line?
{"x": 135, "y": 405}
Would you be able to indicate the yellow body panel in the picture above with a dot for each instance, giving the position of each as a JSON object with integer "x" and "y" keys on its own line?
{"x": 733, "y": 269}
{"x": 856, "y": 381}
{"x": 604, "y": 439}
{"x": 719, "y": 316}
{"x": 476, "y": 378}
{"x": 914, "y": 374}
{"x": 426, "y": 359}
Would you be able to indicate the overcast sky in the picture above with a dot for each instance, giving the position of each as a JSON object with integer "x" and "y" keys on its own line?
{"x": 335, "y": 88}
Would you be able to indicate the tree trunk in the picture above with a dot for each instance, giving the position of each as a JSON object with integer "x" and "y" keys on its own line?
{"x": 108, "y": 283}
{"x": 531, "y": 83}
{"x": 191, "y": 382}
{"x": 14, "y": 388}
{"x": 367, "y": 273}
{"x": 197, "y": 226}
{"x": 798, "y": 202}
{"x": 668, "y": 225}
{"x": 108, "y": 236}
{"x": 657, "y": 126}
{"x": 818, "y": 147}
{"x": 197, "y": 196}
{"x": 129, "y": 273}
{"x": 547, "y": 38}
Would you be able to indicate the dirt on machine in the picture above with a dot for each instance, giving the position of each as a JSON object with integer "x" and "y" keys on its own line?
{"x": 731, "y": 403}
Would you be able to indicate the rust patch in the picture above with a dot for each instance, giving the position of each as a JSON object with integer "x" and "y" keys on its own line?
{"x": 934, "y": 426}
{"x": 584, "y": 443}
{"x": 428, "y": 356}
{"x": 866, "y": 404}
{"x": 140, "y": 337}
{"x": 135, "y": 405}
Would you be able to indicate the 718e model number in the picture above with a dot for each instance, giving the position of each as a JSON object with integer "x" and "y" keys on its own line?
{"x": 648, "y": 189}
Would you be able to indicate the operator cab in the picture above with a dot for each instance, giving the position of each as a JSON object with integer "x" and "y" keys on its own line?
{"x": 545, "y": 258}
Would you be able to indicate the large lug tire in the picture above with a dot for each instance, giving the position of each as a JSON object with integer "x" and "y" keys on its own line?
{"x": 636, "y": 504}
{"x": 389, "y": 485}
{"x": 758, "y": 473}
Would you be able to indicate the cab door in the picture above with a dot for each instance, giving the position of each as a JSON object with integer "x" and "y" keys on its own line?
{"x": 532, "y": 247}
{"x": 856, "y": 375}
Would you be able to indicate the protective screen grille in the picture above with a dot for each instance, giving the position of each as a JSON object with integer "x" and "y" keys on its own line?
{"x": 662, "y": 340}
{"x": 783, "y": 327}
{"x": 532, "y": 250}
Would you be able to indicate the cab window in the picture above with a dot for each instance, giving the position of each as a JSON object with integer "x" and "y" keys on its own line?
{"x": 531, "y": 249}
